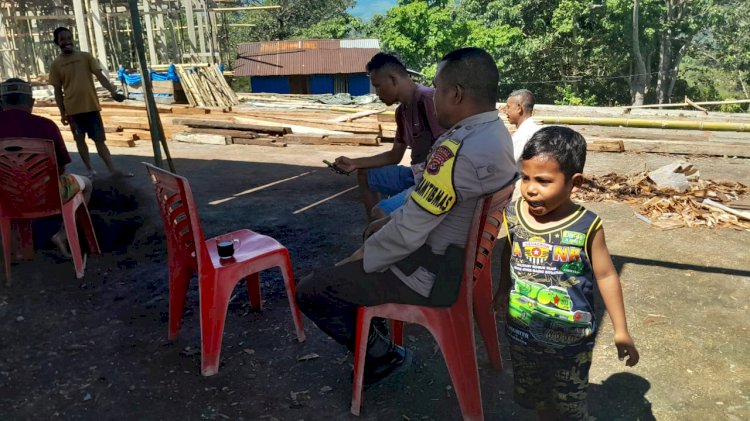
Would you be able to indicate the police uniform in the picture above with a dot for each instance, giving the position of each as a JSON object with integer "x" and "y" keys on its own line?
{"x": 417, "y": 258}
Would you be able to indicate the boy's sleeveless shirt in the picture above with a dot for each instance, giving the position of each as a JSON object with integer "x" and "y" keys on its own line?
{"x": 551, "y": 299}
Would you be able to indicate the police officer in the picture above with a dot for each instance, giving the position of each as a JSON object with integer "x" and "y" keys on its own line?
{"x": 417, "y": 257}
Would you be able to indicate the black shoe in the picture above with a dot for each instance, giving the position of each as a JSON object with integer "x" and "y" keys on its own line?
{"x": 397, "y": 360}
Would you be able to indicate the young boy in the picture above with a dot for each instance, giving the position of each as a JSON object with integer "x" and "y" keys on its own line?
{"x": 557, "y": 252}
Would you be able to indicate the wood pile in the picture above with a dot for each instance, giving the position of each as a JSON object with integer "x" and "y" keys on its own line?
{"x": 205, "y": 86}
{"x": 667, "y": 209}
{"x": 127, "y": 123}
{"x": 650, "y": 140}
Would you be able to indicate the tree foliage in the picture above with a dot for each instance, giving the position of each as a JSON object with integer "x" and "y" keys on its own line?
{"x": 566, "y": 51}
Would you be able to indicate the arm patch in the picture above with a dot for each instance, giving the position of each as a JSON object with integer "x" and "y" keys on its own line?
{"x": 436, "y": 193}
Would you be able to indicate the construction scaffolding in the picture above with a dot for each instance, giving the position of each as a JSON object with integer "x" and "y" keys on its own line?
{"x": 175, "y": 31}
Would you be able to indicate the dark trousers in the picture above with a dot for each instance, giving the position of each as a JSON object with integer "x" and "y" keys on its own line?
{"x": 331, "y": 298}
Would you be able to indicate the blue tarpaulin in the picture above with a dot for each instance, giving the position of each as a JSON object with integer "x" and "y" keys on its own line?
{"x": 135, "y": 79}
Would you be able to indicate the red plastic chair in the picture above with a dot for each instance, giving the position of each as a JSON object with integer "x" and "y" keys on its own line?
{"x": 29, "y": 189}
{"x": 190, "y": 253}
{"x": 451, "y": 326}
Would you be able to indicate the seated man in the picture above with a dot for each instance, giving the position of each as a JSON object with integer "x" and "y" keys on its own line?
{"x": 16, "y": 120}
{"x": 416, "y": 127}
{"x": 417, "y": 257}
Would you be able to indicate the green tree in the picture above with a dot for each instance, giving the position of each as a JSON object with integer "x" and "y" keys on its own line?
{"x": 421, "y": 32}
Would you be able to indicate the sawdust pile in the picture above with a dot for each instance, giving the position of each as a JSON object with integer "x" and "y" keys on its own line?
{"x": 666, "y": 208}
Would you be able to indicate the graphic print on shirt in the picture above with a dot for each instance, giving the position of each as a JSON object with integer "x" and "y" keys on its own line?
{"x": 546, "y": 269}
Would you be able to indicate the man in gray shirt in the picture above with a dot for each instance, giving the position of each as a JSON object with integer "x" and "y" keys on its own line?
{"x": 417, "y": 257}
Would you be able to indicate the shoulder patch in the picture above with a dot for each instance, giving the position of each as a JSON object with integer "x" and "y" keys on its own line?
{"x": 435, "y": 193}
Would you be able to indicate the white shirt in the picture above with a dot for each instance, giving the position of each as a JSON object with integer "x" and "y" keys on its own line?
{"x": 522, "y": 135}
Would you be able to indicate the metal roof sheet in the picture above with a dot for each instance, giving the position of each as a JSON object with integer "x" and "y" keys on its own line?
{"x": 304, "y": 57}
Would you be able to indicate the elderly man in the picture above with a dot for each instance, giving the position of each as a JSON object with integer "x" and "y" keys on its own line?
{"x": 16, "y": 120}
{"x": 518, "y": 108}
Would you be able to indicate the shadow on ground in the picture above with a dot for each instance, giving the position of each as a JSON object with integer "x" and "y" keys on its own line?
{"x": 96, "y": 348}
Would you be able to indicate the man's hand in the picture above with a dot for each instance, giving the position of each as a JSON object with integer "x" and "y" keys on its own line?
{"x": 374, "y": 226}
{"x": 118, "y": 96}
{"x": 357, "y": 255}
{"x": 626, "y": 348}
{"x": 345, "y": 164}
{"x": 64, "y": 119}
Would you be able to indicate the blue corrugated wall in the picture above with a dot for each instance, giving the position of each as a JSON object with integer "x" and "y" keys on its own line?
{"x": 270, "y": 84}
{"x": 359, "y": 84}
{"x": 321, "y": 84}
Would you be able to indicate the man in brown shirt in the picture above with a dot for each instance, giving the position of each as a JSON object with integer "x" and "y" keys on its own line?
{"x": 75, "y": 94}
{"x": 416, "y": 128}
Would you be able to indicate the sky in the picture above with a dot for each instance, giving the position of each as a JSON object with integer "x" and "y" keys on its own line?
{"x": 366, "y": 8}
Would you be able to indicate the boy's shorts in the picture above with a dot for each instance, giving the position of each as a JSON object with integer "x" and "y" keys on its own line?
{"x": 392, "y": 181}
{"x": 548, "y": 379}
{"x": 88, "y": 124}
{"x": 70, "y": 184}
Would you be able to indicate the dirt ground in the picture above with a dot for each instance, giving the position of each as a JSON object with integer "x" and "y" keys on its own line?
{"x": 97, "y": 349}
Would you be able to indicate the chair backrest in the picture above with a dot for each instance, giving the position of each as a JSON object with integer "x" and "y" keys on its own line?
{"x": 180, "y": 216}
{"x": 29, "y": 181}
{"x": 491, "y": 221}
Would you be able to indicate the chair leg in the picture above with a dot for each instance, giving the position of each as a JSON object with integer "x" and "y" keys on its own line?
{"x": 214, "y": 301}
{"x": 291, "y": 294}
{"x": 84, "y": 218}
{"x": 71, "y": 230}
{"x": 485, "y": 316}
{"x": 6, "y": 231}
{"x": 457, "y": 345}
{"x": 25, "y": 238}
{"x": 397, "y": 332}
{"x": 360, "y": 351}
{"x": 253, "y": 291}
{"x": 179, "y": 281}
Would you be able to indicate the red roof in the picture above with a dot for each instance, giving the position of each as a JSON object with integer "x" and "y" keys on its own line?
{"x": 305, "y": 57}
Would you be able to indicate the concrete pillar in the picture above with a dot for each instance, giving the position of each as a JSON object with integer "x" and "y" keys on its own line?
{"x": 83, "y": 38}
{"x": 96, "y": 17}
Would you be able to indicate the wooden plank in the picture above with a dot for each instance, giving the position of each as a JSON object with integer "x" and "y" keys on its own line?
{"x": 258, "y": 142}
{"x": 606, "y": 146}
{"x": 350, "y": 117}
{"x": 224, "y": 132}
{"x": 331, "y": 140}
{"x": 688, "y": 148}
{"x": 387, "y": 117}
{"x": 193, "y": 110}
{"x": 232, "y": 126}
{"x": 209, "y": 139}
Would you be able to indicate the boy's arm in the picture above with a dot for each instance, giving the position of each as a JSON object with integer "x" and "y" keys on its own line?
{"x": 608, "y": 282}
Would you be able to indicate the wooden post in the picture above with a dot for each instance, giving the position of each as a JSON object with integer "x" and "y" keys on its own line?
{"x": 163, "y": 45}
{"x": 7, "y": 69}
{"x": 201, "y": 34}
{"x": 149, "y": 34}
{"x": 154, "y": 122}
{"x": 83, "y": 38}
{"x": 188, "y": 4}
{"x": 96, "y": 17}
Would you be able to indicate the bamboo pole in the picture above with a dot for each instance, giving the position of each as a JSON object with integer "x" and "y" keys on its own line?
{"x": 154, "y": 122}
{"x": 688, "y": 104}
{"x": 643, "y": 123}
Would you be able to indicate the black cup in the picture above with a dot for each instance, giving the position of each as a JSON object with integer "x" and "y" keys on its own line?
{"x": 225, "y": 249}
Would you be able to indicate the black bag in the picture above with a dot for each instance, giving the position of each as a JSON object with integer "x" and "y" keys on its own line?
{"x": 448, "y": 269}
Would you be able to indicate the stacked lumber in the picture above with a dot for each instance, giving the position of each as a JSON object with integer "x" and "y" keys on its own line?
{"x": 663, "y": 208}
{"x": 205, "y": 86}
{"x": 654, "y": 140}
